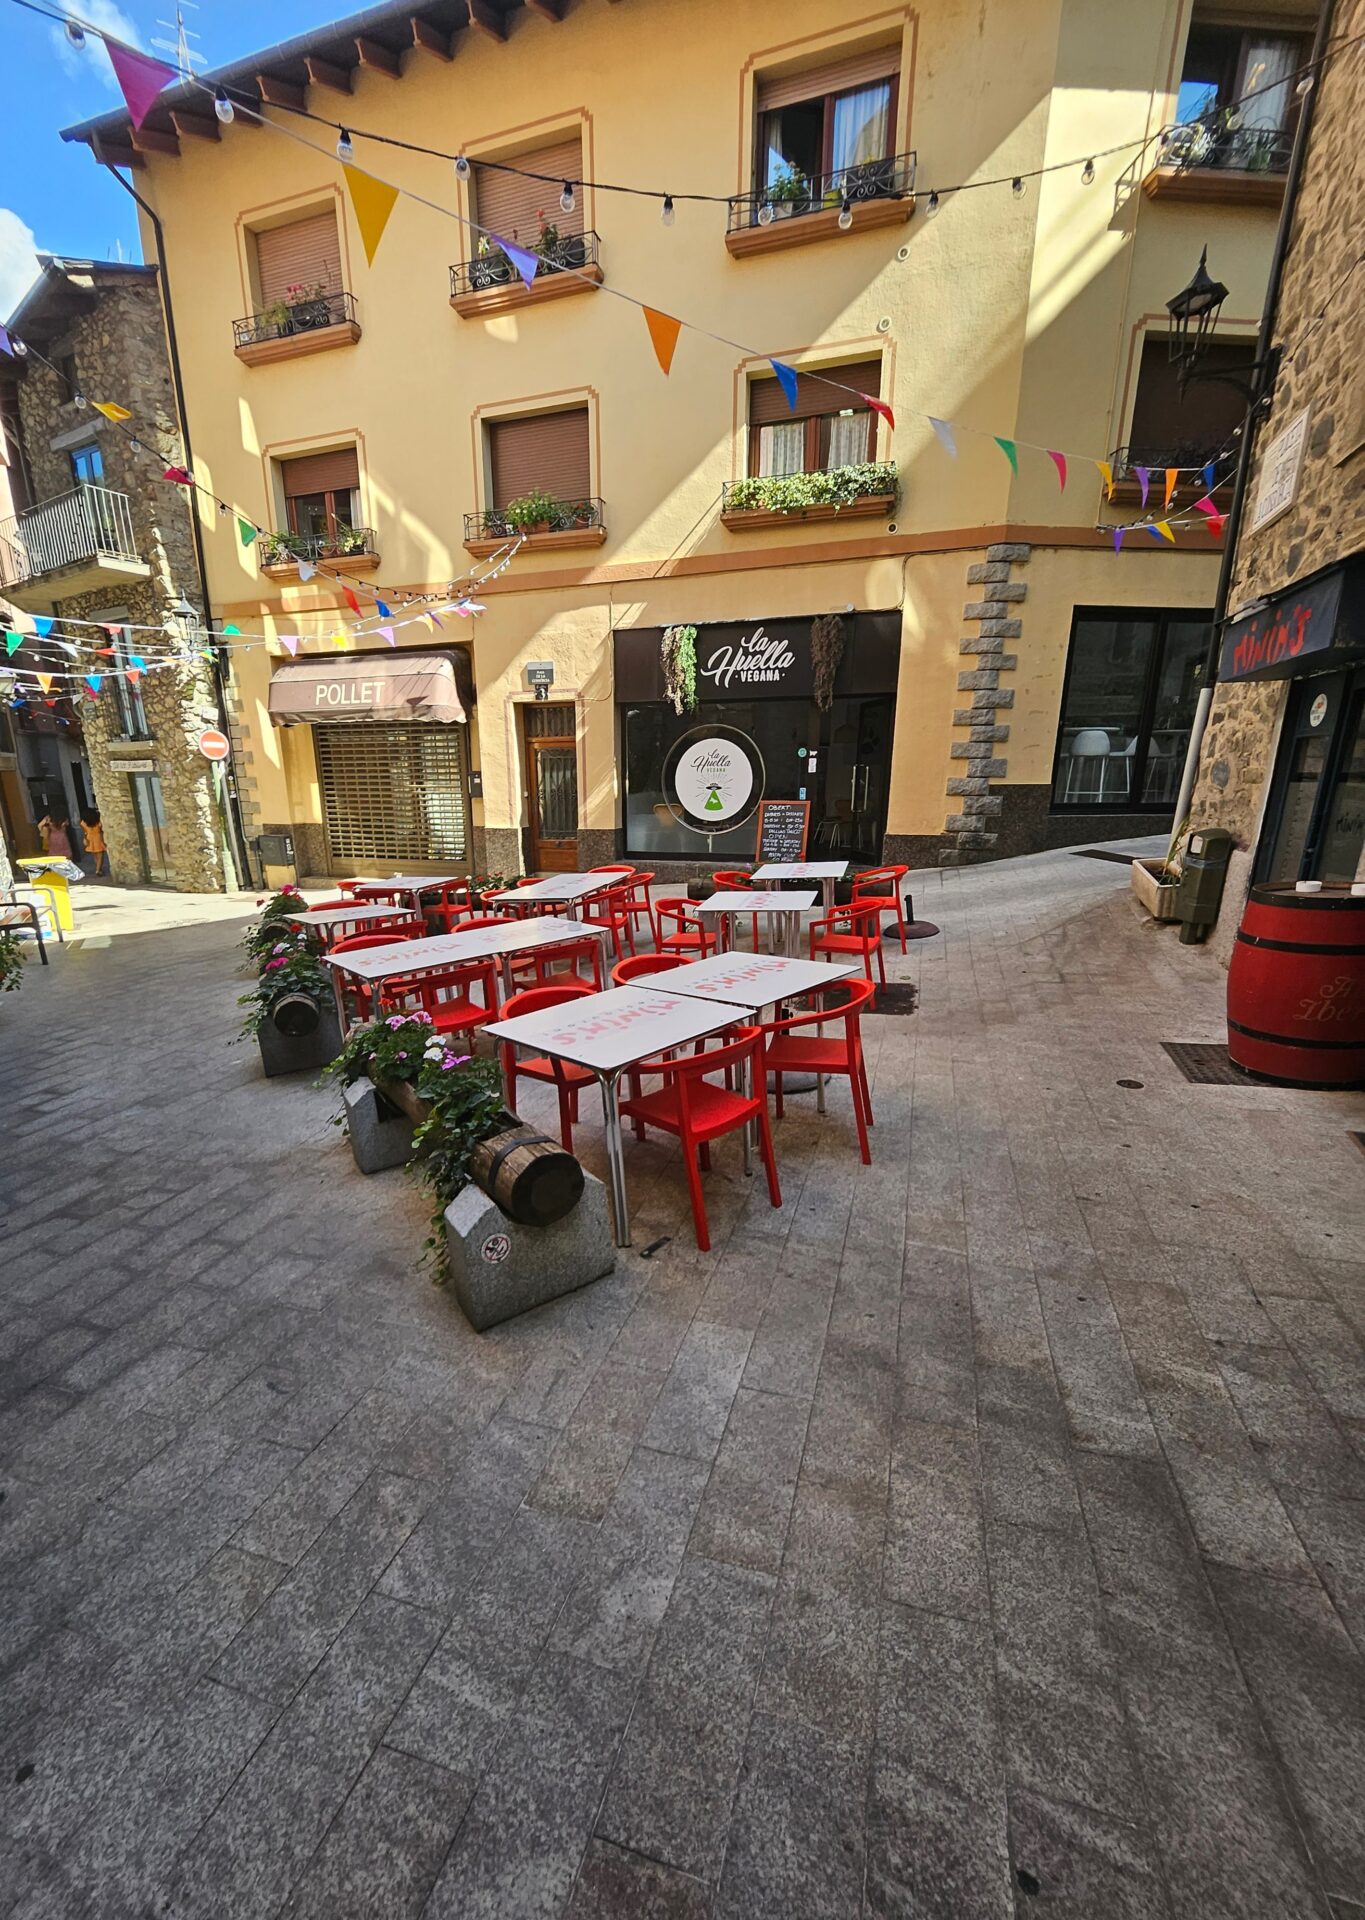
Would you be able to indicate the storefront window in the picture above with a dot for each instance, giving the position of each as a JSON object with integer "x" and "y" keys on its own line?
{"x": 1132, "y": 684}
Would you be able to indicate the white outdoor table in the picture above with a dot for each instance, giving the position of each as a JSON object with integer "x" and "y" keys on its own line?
{"x": 785, "y": 931}
{"x": 510, "y": 937}
{"x": 413, "y": 884}
{"x": 607, "y": 1034}
{"x": 559, "y": 889}
{"x": 825, "y": 871}
{"x": 333, "y": 920}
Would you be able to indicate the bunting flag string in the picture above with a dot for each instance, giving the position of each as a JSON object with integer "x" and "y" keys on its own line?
{"x": 373, "y": 201}
{"x": 526, "y": 263}
{"x": 111, "y": 411}
{"x": 945, "y": 435}
{"x": 1107, "y": 475}
{"x": 1009, "y": 448}
{"x": 140, "y": 77}
{"x": 1172, "y": 480}
{"x": 1059, "y": 461}
{"x": 1144, "y": 477}
{"x": 663, "y": 334}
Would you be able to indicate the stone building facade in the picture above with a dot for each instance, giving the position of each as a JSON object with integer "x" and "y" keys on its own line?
{"x": 95, "y": 332}
{"x": 1318, "y": 322}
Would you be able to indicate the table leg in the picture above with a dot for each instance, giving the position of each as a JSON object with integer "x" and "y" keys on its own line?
{"x": 505, "y": 969}
{"x": 341, "y": 1001}
{"x": 616, "y": 1159}
{"x": 827, "y": 885}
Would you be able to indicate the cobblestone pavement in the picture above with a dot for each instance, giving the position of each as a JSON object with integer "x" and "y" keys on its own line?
{"x": 979, "y": 1534}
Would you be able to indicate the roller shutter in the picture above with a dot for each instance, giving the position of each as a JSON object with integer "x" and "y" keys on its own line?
{"x": 306, "y": 253}
{"x": 332, "y": 472}
{"x": 767, "y": 402}
{"x": 509, "y": 204}
{"x": 541, "y": 452}
{"x": 835, "y": 76}
{"x": 392, "y": 793}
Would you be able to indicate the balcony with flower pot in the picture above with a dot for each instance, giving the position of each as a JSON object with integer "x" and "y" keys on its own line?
{"x": 568, "y": 263}
{"x": 308, "y": 319}
{"x": 795, "y": 208}
{"x": 868, "y": 491}
{"x": 348, "y": 550}
{"x": 1219, "y": 158}
{"x": 542, "y": 523}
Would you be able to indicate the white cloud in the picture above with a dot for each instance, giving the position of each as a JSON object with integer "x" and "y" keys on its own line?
{"x": 18, "y": 260}
{"x": 92, "y": 56}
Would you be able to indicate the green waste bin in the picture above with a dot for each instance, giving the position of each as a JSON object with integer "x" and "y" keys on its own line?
{"x": 1202, "y": 877}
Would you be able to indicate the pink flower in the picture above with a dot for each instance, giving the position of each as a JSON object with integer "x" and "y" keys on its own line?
{"x": 453, "y": 1060}
{"x": 402, "y": 1056}
{"x": 394, "y": 1020}
{"x": 281, "y": 946}
{"x": 271, "y": 965}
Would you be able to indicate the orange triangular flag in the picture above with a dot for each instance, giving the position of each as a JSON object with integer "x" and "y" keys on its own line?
{"x": 1172, "y": 475}
{"x": 1107, "y": 475}
{"x": 373, "y": 202}
{"x": 663, "y": 331}
{"x": 111, "y": 410}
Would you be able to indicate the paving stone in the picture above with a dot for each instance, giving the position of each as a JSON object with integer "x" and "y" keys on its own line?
{"x": 614, "y": 1885}
{"x": 935, "y": 1555}
{"x": 1079, "y": 1864}
{"x": 797, "y": 1837}
{"x": 385, "y": 1847}
{"x": 745, "y": 1509}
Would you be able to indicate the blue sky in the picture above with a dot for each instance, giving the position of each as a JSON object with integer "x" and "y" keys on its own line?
{"x": 53, "y": 196}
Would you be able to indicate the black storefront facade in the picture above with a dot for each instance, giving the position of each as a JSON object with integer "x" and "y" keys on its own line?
{"x": 756, "y": 683}
{"x": 1311, "y": 635}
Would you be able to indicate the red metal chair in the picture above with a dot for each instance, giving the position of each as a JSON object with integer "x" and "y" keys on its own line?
{"x": 360, "y": 991}
{"x": 345, "y": 900}
{"x": 792, "y": 1050}
{"x": 613, "y": 912}
{"x": 692, "y": 1107}
{"x": 380, "y": 896}
{"x": 444, "y": 908}
{"x": 850, "y": 930}
{"x": 478, "y": 920}
{"x": 735, "y": 880}
{"x": 538, "y": 965}
{"x": 881, "y": 887}
{"x": 447, "y": 996}
{"x": 639, "y": 963}
{"x": 561, "y": 1074}
{"x": 690, "y": 933}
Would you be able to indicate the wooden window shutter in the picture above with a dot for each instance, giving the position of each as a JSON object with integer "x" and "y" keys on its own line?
{"x": 767, "y": 402}
{"x": 509, "y": 204}
{"x": 321, "y": 472}
{"x": 541, "y": 452}
{"x": 835, "y": 76}
{"x": 306, "y": 253}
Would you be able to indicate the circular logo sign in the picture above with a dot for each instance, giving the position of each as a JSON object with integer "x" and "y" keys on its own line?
{"x": 1317, "y": 713}
{"x": 496, "y": 1248}
{"x": 714, "y": 779}
{"x": 213, "y": 744}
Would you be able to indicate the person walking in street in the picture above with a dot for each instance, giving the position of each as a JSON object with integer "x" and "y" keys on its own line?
{"x": 56, "y": 832}
{"x": 95, "y": 844}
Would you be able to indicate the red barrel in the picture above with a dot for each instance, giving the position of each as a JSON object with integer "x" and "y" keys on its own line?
{"x": 1296, "y": 987}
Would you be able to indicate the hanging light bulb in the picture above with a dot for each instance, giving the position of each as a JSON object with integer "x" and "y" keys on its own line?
{"x": 222, "y": 106}
{"x": 566, "y": 199}
{"x": 767, "y": 213}
{"x": 18, "y": 345}
{"x": 845, "y": 215}
{"x": 345, "y": 151}
{"x": 223, "y": 507}
{"x": 666, "y": 211}
{"x": 462, "y": 166}
{"x": 79, "y": 399}
{"x": 135, "y": 444}
{"x": 933, "y": 204}
{"x": 75, "y": 34}
{"x": 1017, "y": 186}
{"x": 1088, "y": 174}
{"x": 1305, "y": 86}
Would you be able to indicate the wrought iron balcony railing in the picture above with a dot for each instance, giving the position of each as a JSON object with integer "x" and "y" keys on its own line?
{"x": 89, "y": 523}
{"x": 1220, "y": 139}
{"x": 284, "y": 317}
{"x": 287, "y": 549}
{"x": 494, "y": 269}
{"x": 1125, "y": 461}
{"x": 537, "y": 513}
{"x": 794, "y": 193}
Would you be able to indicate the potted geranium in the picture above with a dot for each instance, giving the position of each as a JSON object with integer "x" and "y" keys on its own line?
{"x": 532, "y": 512}
{"x": 309, "y": 306}
{"x": 490, "y": 266}
{"x": 291, "y": 1012}
{"x": 274, "y": 925}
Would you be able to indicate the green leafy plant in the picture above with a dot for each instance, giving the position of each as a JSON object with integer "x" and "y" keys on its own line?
{"x": 299, "y": 971}
{"x": 262, "y": 937}
{"x": 531, "y": 512}
{"x": 678, "y": 658}
{"x": 830, "y": 487}
{"x": 352, "y": 539}
{"x": 789, "y": 185}
{"x": 11, "y": 961}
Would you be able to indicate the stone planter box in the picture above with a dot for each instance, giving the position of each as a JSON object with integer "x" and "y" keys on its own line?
{"x": 299, "y": 1053}
{"x": 380, "y": 1135}
{"x": 1156, "y": 895}
{"x": 499, "y": 1269}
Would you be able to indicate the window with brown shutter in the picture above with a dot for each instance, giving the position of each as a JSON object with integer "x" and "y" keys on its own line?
{"x": 305, "y": 253}
{"x": 828, "y": 129}
{"x": 540, "y": 452}
{"x": 829, "y": 426}
{"x": 512, "y": 206}
{"x": 320, "y": 492}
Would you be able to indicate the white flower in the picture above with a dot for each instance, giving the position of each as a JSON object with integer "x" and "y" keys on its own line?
{"x": 434, "y": 1052}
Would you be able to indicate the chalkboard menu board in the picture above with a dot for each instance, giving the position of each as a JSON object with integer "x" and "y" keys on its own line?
{"x": 782, "y": 828}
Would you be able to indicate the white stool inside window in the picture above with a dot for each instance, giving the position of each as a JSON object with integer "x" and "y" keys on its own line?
{"x": 1085, "y": 765}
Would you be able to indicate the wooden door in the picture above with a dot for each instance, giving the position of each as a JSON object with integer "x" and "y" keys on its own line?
{"x": 554, "y": 803}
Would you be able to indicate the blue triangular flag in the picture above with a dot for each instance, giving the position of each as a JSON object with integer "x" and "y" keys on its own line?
{"x": 382, "y": 608}
{"x": 786, "y": 380}
{"x": 42, "y": 625}
{"x": 526, "y": 264}
{"x": 1208, "y": 475}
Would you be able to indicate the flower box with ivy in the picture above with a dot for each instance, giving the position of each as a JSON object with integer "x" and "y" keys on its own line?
{"x": 348, "y": 550}
{"x": 291, "y": 1011}
{"x": 866, "y": 491}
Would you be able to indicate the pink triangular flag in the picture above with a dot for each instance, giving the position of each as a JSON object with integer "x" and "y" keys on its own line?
{"x": 140, "y": 77}
{"x": 291, "y": 641}
{"x": 880, "y": 406}
{"x": 388, "y": 635}
{"x": 1059, "y": 461}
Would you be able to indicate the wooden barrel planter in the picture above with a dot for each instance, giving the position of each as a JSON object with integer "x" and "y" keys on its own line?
{"x": 530, "y": 1176}
{"x": 296, "y": 1014}
{"x": 1296, "y": 987}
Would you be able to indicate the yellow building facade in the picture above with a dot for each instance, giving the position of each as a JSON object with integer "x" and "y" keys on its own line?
{"x": 1006, "y": 679}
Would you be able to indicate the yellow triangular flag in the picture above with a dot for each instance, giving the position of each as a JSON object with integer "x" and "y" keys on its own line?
{"x": 110, "y": 410}
{"x": 45, "y": 681}
{"x": 1163, "y": 527}
{"x": 1172, "y": 475}
{"x": 1107, "y": 475}
{"x": 373, "y": 203}
{"x": 663, "y": 331}
{"x": 341, "y": 640}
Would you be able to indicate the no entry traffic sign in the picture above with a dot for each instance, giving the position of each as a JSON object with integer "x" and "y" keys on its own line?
{"x": 214, "y": 745}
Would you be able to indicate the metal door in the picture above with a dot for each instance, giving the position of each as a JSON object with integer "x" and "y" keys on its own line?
{"x": 554, "y": 804}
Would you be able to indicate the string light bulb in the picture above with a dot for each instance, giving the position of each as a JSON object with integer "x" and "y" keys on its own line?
{"x": 767, "y": 213}
{"x": 75, "y": 34}
{"x": 18, "y": 345}
{"x": 933, "y": 204}
{"x": 79, "y": 399}
{"x": 666, "y": 212}
{"x": 462, "y": 166}
{"x": 345, "y": 151}
{"x": 845, "y": 215}
{"x": 1305, "y": 86}
{"x": 1088, "y": 174}
{"x": 223, "y": 107}
{"x": 1017, "y": 186}
{"x": 566, "y": 199}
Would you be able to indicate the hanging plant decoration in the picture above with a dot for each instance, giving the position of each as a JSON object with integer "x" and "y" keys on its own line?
{"x": 678, "y": 658}
{"x": 826, "y": 652}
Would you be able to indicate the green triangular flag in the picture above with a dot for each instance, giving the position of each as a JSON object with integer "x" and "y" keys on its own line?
{"x": 231, "y": 628}
{"x": 246, "y": 530}
{"x": 13, "y": 642}
{"x": 1010, "y": 451}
